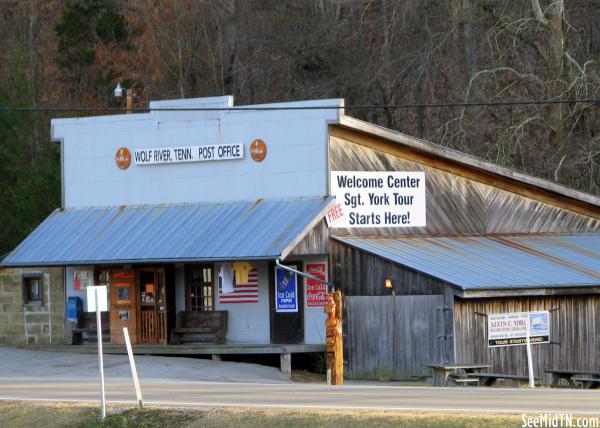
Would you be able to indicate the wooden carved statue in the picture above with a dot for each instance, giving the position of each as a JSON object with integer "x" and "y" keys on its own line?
{"x": 334, "y": 342}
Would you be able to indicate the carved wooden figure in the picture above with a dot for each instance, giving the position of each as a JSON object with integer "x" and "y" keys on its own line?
{"x": 333, "y": 329}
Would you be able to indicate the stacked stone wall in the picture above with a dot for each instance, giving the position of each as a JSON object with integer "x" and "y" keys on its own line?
{"x": 30, "y": 324}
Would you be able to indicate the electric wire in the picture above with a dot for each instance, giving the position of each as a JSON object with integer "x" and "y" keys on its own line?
{"x": 470, "y": 104}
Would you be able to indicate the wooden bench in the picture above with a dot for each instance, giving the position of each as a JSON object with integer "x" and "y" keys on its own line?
{"x": 207, "y": 327}
{"x": 563, "y": 374}
{"x": 588, "y": 382}
{"x": 489, "y": 379}
{"x": 86, "y": 331}
{"x": 466, "y": 381}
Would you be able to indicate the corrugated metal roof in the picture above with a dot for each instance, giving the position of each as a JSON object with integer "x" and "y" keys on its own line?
{"x": 251, "y": 230}
{"x": 494, "y": 261}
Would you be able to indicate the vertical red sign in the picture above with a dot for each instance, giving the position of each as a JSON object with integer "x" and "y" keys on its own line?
{"x": 316, "y": 291}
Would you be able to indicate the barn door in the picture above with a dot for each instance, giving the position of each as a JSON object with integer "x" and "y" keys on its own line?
{"x": 392, "y": 337}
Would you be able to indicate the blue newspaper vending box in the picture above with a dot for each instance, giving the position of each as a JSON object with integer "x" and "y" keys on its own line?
{"x": 74, "y": 308}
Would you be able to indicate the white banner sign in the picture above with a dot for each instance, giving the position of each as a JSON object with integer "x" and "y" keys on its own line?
{"x": 511, "y": 329}
{"x": 213, "y": 152}
{"x": 377, "y": 199}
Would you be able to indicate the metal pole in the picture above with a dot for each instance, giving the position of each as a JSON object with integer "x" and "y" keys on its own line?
{"x": 136, "y": 382}
{"x": 129, "y": 96}
{"x": 306, "y": 275}
{"x": 100, "y": 358}
{"x": 529, "y": 360}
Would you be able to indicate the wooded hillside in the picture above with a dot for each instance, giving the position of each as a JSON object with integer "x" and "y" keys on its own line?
{"x": 72, "y": 53}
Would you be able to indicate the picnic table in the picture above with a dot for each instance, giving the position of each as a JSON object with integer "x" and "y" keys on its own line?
{"x": 571, "y": 376}
{"x": 441, "y": 372}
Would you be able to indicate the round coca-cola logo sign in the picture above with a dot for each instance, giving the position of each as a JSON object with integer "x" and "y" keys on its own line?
{"x": 123, "y": 158}
{"x": 258, "y": 150}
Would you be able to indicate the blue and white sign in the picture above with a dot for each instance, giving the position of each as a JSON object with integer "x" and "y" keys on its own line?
{"x": 286, "y": 291}
{"x": 539, "y": 324}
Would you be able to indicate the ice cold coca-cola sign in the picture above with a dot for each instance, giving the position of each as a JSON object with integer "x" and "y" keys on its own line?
{"x": 316, "y": 291}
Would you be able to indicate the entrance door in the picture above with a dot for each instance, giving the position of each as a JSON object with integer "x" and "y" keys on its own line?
{"x": 123, "y": 305}
{"x": 152, "y": 305}
{"x": 286, "y": 327}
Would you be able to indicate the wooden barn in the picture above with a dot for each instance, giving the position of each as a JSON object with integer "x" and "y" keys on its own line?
{"x": 495, "y": 242}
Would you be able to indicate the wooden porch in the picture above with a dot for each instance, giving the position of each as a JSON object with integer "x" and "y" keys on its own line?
{"x": 285, "y": 351}
{"x": 186, "y": 349}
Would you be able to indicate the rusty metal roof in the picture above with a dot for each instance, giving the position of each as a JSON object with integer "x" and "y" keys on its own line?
{"x": 250, "y": 230}
{"x": 494, "y": 261}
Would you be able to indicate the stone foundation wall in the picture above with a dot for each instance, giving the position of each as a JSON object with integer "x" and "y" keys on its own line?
{"x": 22, "y": 324}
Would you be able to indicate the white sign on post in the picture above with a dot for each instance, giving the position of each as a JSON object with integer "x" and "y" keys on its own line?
{"x": 102, "y": 298}
{"x": 377, "y": 199}
{"x": 510, "y": 329}
{"x": 519, "y": 328}
{"x": 96, "y": 302}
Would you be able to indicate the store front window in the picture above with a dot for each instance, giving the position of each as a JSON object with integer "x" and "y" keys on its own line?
{"x": 199, "y": 288}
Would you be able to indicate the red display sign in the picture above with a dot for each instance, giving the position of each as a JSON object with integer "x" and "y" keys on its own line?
{"x": 316, "y": 291}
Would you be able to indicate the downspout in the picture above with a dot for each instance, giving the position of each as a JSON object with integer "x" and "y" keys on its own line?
{"x": 331, "y": 285}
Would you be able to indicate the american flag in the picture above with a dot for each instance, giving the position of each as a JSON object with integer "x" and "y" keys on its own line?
{"x": 242, "y": 293}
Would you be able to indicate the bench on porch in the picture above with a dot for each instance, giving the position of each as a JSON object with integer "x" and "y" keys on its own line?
{"x": 86, "y": 329}
{"x": 489, "y": 379}
{"x": 208, "y": 327}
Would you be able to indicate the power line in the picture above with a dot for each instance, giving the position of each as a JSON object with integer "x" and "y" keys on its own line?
{"x": 471, "y": 104}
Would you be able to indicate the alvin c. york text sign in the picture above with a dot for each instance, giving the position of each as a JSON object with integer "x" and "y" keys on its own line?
{"x": 511, "y": 328}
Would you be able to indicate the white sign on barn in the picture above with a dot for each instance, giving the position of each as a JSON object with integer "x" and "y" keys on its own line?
{"x": 377, "y": 199}
{"x": 511, "y": 329}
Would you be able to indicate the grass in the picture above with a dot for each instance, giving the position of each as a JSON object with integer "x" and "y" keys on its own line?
{"x": 16, "y": 414}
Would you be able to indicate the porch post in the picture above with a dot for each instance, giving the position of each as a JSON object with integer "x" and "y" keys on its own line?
{"x": 286, "y": 364}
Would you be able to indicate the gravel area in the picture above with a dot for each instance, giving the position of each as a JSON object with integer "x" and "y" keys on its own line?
{"x": 29, "y": 363}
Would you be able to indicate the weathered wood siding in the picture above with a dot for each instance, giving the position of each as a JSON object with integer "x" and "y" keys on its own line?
{"x": 574, "y": 331}
{"x": 456, "y": 204}
{"x": 315, "y": 242}
{"x": 392, "y": 337}
{"x": 357, "y": 273}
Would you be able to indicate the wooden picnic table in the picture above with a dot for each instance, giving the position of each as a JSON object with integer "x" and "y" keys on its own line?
{"x": 441, "y": 372}
{"x": 570, "y": 376}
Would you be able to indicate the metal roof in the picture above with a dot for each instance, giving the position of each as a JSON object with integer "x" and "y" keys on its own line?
{"x": 494, "y": 261}
{"x": 250, "y": 230}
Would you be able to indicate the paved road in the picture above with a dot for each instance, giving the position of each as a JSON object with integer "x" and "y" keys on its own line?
{"x": 181, "y": 393}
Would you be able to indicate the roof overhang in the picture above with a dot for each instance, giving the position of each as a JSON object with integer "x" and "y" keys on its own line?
{"x": 478, "y": 266}
{"x": 247, "y": 230}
